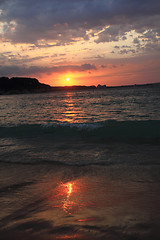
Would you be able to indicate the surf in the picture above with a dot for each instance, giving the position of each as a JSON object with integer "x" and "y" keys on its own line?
{"x": 110, "y": 130}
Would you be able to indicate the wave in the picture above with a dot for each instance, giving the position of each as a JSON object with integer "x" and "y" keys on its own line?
{"x": 82, "y": 163}
{"x": 110, "y": 130}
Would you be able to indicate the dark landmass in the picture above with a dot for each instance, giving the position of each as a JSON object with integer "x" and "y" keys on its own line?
{"x": 18, "y": 85}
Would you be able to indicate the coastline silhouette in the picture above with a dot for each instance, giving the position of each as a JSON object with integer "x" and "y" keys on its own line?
{"x": 18, "y": 85}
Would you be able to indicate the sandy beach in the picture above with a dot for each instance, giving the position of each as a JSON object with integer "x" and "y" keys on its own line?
{"x": 64, "y": 202}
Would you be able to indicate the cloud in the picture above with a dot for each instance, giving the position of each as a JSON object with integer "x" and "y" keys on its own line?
{"x": 63, "y": 22}
{"x": 13, "y": 70}
{"x": 18, "y": 59}
{"x": 136, "y": 41}
{"x": 126, "y": 51}
{"x": 113, "y": 33}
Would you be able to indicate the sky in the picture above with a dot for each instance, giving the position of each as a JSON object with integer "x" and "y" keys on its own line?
{"x": 87, "y": 42}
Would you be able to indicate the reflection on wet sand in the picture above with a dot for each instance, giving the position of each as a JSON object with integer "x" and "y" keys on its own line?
{"x": 106, "y": 208}
{"x": 75, "y": 236}
{"x": 67, "y": 197}
{"x": 85, "y": 203}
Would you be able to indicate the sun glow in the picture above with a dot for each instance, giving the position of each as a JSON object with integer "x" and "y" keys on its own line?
{"x": 67, "y": 79}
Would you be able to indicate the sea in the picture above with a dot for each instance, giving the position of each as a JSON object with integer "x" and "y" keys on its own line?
{"x": 80, "y": 164}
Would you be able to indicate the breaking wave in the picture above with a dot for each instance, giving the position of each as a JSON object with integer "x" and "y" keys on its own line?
{"x": 110, "y": 130}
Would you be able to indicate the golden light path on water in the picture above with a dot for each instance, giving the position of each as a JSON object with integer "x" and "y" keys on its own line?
{"x": 70, "y": 113}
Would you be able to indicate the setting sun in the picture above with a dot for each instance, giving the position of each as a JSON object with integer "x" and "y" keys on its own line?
{"x": 67, "y": 79}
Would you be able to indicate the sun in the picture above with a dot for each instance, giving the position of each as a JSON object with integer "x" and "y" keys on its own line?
{"x": 67, "y": 79}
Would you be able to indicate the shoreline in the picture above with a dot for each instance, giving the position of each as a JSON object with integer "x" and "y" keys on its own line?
{"x": 17, "y": 85}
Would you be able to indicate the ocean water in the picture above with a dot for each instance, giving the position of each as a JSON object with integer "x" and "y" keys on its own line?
{"x": 82, "y": 126}
{"x": 80, "y": 164}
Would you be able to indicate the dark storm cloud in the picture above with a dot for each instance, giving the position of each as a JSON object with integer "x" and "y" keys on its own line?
{"x": 63, "y": 21}
{"x": 23, "y": 70}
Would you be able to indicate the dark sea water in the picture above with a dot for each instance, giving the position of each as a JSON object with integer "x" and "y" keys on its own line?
{"x": 80, "y": 165}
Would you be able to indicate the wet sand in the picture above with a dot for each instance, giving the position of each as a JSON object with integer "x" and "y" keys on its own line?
{"x": 46, "y": 201}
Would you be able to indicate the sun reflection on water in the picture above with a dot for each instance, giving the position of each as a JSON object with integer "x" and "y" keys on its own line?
{"x": 70, "y": 111}
{"x": 68, "y": 197}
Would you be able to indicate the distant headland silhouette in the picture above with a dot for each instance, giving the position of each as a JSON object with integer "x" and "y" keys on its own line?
{"x": 18, "y": 85}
